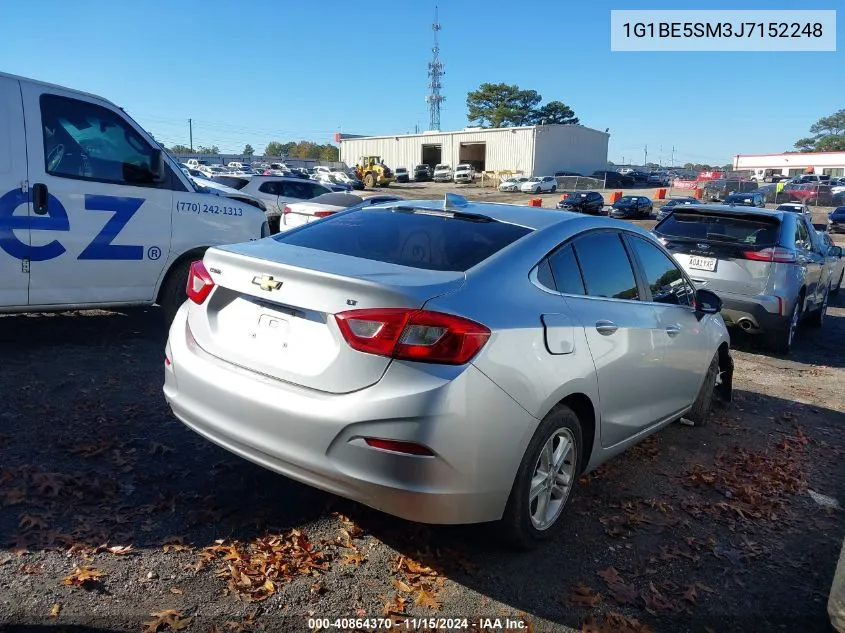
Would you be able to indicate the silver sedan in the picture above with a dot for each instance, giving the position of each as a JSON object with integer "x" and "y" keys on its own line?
{"x": 449, "y": 362}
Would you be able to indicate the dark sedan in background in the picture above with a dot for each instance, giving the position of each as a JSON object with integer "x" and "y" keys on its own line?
{"x": 614, "y": 179}
{"x": 836, "y": 221}
{"x": 667, "y": 208}
{"x": 631, "y": 207}
{"x": 422, "y": 173}
{"x": 590, "y": 202}
{"x": 750, "y": 199}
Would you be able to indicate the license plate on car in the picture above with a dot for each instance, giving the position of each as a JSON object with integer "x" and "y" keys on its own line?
{"x": 702, "y": 263}
{"x": 271, "y": 332}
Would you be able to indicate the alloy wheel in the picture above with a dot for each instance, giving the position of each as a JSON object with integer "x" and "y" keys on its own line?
{"x": 552, "y": 480}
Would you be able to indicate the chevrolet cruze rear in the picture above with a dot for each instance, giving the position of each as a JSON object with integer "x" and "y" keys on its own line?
{"x": 412, "y": 357}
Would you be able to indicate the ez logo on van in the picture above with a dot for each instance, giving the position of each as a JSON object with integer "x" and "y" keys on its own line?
{"x": 101, "y": 247}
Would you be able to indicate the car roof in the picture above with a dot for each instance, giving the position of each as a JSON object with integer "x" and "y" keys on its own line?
{"x": 530, "y": 217}
{"x": 275, "y": 178}
{"x": 738, "y": 209}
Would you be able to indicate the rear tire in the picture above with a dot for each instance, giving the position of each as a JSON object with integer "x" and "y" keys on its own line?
{"x": 816, "y": 318}
{"x": 174, "y": 291}
{"x": 782, "y": 340}
{"x": 554, "y": 189}
{"x": 369, "y": 181}
{"x": 700, "y": 412}
{"x": 558, "y": 435}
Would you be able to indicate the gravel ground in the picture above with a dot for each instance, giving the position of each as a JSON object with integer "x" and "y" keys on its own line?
{"x": 115, "y": 517}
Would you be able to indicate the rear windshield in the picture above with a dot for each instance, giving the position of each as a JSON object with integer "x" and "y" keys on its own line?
{"x": 720, "y": 228}
{"x": 231, "y": 181}
{"x": 409, "y": 239}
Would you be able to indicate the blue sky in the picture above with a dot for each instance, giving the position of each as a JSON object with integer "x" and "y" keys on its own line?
{"x": 251, "y": 72}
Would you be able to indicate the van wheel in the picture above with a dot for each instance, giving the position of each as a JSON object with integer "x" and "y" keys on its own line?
{"x": 544, "y": 481}
{"x": 174, "y": 291}
{"x": 700, "y": 412}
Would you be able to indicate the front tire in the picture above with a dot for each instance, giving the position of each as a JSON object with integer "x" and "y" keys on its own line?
{"x": 700, "y": 412}
{"x": 369, "y": 181}
{"x": 543, "y": 486}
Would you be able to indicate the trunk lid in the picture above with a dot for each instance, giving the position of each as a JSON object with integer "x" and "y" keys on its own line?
{"x": 286, "y": 329}
{"x": 718, "y": 249}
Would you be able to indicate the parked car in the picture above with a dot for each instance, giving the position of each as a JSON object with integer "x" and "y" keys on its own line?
{"x": 659, "y": 179}
{"x": 272, "y": 360}
{"x": 464, "y": 174}
{"x": 811, "y": 194}
{"x": 638, "y": 176}
{"x": 423, "y": 173}
{"x": 512, "y": 184}
{"x": 350, "y": 179}
{"x": 750, "y": 199}
{"x": 836, "y": 220}
{"x": 764, "y": 265}
{"x": 719, "y": 189}
{"x": 769, "y": 192}
{"x": 204, "y": 185}
{"x": 836, "y": 261}
{"x": 298, "y": 213}
{"x": 275, "y": 192}
{"x": 539, "y": 184}
{"x": 402, "y": 175}
{"x": 442, "y": 173}
{"x": 632, "y": 207}
{"x": 672, "y": 204}
{"x": 796, "y": 207}
{"x": 614, "y": 179}
{"x": 590, "y": 202}
{"x": 333, "y": 181}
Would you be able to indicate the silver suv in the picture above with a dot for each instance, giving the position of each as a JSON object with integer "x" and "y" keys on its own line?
{"x": 768, "y": 267}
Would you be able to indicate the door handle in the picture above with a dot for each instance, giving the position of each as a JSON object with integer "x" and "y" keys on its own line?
{"x": 673, "y": 330}
{"x": 39, "y": 198}
{"x": 606, "y": 328}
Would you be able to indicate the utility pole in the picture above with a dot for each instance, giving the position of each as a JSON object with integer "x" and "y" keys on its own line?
{"x": 672, "y": 164}
{"x": 645, "y": 155}
{"x": 191, "y": 133}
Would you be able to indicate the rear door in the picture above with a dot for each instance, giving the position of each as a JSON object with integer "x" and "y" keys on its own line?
{"x": 812, "y": 261}
{"x": 15, "y": 207}
{"x": 686, "y": 355}
{"x": 726, "y": 252}
{"x": 622, "y": 331}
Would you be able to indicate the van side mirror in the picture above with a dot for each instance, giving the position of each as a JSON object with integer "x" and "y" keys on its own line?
{"x": 707, "y": 302}
{"x": 158, "y": 169}
{"x": 835, "y": 251}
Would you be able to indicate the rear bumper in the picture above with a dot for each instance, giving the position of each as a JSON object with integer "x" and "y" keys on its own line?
{"x": 754, "y": 314}
{"x": 477, "y": 433}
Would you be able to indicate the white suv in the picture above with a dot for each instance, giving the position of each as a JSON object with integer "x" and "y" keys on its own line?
{"x": 465, "y": 173}
{"x": 442, "y": 173}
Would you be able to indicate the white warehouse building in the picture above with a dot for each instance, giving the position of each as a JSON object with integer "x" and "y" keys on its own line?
{"x": 537, "y": 150}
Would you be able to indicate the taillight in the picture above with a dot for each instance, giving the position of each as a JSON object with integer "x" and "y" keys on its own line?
{"x": 200, "y": 283}
{"x": 410, "y": 334}
{"x": 775, "y": 254}
{"x": 286, "y": 210}
{"x": 323, "y": 214}
{"x": 395, "y": 446}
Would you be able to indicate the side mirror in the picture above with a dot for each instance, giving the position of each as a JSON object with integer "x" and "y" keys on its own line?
{"x": 157, "y": 166}
{"x": 836, "y": 251}
{"x": 707, "y": 302}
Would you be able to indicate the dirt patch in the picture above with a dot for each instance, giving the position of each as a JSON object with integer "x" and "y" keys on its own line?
{"x": 113, "y": 515}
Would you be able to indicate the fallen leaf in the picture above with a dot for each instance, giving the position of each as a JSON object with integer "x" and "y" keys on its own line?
{"x": 29, "y": 522}
{"x": 402, "y": 586}
{"x": 622, "y": 593}
{"x": 176, "y": 590}
{"x": 168, "y": 619}
{"x": 30, "y": 569}
{"x": 121, "y": 550}
{"x": 352, "y": 559}
{"x": 425, "y": 599}
{"x": 583, "y": 596}
{"x": 54, "y": 610}
{"x": 610, "y": 575}
{"x": 83, "y": 576}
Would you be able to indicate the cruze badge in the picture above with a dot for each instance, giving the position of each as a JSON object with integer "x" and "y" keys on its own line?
{"x": 266, "y": 282}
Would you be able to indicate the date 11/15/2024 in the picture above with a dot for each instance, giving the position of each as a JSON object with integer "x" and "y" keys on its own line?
{"x": 214, "y": 209}
{"x": 503, "y": 624}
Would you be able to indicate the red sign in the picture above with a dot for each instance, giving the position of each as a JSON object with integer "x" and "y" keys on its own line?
{"x": 337, "y": 137}
{"x": 710, "y": 175}
{"x": 684, "y": 184}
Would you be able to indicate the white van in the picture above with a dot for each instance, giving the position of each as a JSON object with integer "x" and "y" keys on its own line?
{"x": 92, "y": 212}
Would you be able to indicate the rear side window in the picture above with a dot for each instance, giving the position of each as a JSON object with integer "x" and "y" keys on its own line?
{"x": 567, "y": 276}
{"x": 428, "y": 242}
{"x": 270, "y": 188}
{"x": 762, "y": 231}
{"x": 297, "y": 190}
{"x": 605, "y": 266}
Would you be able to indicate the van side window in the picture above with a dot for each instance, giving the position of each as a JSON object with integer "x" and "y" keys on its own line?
{"x": 83, "y": 140}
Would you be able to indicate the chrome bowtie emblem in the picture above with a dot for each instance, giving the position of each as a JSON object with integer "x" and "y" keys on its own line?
{"x": 266, "y": 282}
